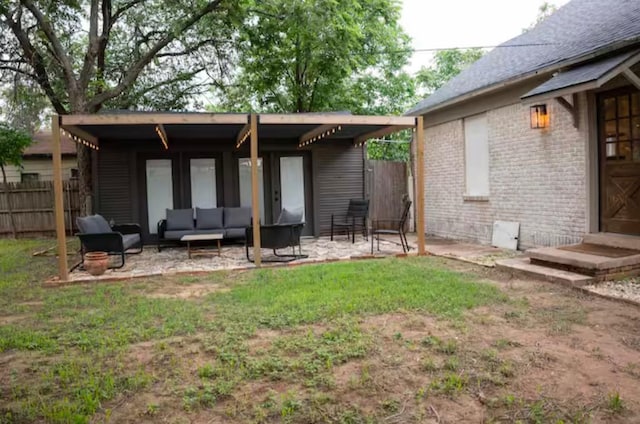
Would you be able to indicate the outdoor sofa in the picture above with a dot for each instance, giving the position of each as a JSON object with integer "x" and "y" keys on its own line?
{"x": 230, "y": 222}
{"x": 96, "y": 235}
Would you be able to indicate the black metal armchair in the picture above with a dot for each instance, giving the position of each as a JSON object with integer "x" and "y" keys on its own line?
{"x": 96, "y": 235}
{"x": 355, "y": 219}
{"x": 392, "y": 226}
{"x": 284, "y": 234}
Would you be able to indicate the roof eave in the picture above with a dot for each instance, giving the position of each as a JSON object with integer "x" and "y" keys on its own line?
{"x": 551, "y": 68}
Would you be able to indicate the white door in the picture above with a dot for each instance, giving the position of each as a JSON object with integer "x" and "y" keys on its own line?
{"x": 159, "y": 191}
{"x": 244, "y": 171}
{"x": 292, "y": 184}
{"x": 203, "y": 183}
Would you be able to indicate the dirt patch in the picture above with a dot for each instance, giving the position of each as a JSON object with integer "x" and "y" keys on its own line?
{"x": 186, "y": 291}
{"x": 12, "y": 319}
{"x": 544, "y": 355}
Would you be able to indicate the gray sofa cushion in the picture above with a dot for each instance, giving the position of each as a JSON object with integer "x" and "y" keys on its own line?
{"x": 93, "y": 224}
{"x": 231, "y": 233}
{"x": 237, "y": 217}
{"x": 290, "y": 216}
{"x": 130, "y": 240}
{"x": 177, "y": 234}
{"x": 209, "y": 219}
{"x": 179, "y": 219}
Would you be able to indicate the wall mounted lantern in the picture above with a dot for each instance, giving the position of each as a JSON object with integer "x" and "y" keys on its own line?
{"x": 539, "y": 116}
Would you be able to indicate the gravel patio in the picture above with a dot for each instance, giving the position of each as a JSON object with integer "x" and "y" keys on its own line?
{"x": 175, "y": 260}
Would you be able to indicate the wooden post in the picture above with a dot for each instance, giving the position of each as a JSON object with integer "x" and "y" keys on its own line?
{"x": 255, "y": 196}
{"x": 58, "y": 197}
{"x": 420, "y": 187}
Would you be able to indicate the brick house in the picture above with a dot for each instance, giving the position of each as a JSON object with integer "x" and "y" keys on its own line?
{"x": 543, "y": 130}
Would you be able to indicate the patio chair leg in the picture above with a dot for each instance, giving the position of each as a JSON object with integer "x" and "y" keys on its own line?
{"x": 372, "y": 237}
{"x": 121, "y": 262}
{"x": 246, "y": 251}
{"x": 406, "y": 242}
{"x": 404, "y": 248}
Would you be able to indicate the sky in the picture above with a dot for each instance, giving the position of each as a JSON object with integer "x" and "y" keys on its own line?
{"x": 464, "y": 23}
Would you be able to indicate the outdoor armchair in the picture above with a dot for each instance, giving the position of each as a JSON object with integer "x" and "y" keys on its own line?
{"x": 392, "y": 226}
{"x": 96, "y": 235}
{"x": 354, "y": 219}
{"x": 285, "y": 233}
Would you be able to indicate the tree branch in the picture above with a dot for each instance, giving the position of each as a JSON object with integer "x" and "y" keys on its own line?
{"x": 107, "y": 23}
{"x": 19, "y": 71}
{"x": 123, "y": 9}
{"x": 92, "y": 48}
{"x": 35, "y": 60}
{"x": 187, "y": 51}
{"x": 182, "y": 77}
{"x": 60, "y": 54}
{"x": 138, "y": 66}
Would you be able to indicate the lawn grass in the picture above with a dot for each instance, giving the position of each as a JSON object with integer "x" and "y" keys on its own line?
{"x": 278, "y": 298}
{"x": 68, "y": 351}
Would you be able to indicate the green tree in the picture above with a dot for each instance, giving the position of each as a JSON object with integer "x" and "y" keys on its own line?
{"x": 24, "y": 105}
{"x": 12, "y": 144}
{"x": 545, "y": 10}
{"x": 318, "y": 55}
{"x": 447, "y": 64}
{"x": 88, "y": 54}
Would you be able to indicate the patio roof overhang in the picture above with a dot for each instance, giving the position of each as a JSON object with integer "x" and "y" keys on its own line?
{"x": 305, "y": 129}
{"x": 301, "y": 128}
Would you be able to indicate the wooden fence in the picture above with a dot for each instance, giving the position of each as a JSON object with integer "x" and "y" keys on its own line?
{"x": 32, "y": 205}
{"x": 386, "y": 183}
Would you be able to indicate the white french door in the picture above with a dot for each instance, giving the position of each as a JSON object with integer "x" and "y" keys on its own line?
{"x": 159, "y": 191}
{"x": 203, "y": 183}
{"x": 292, "y": 194}
{"x": 244, "y": 176}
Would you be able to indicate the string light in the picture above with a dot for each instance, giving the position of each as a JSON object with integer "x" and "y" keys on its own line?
{"x": 164, "y": 140}
{"x": 319, "y": 137}
{"x": 243, "y": 139}
{"x": 80, "y": 140}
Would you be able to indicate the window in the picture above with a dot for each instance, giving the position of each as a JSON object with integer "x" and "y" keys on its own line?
{"x": 28, "y": 177}
{"x": 476, "y": 147}
{"x": 203, "y": 183}
{"x": 74, "y": 173}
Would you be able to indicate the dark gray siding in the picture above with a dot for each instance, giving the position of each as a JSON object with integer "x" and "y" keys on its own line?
{"x": 339, "y": 176}
{"x": 114, "y": 185}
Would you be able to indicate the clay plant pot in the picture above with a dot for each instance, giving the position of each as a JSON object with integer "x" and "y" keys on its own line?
{"x": 96, "y": 263}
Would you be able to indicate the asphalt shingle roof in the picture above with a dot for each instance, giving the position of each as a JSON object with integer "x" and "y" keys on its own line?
{"x": 580, "y": 75}
{"x": 42, "y": 145}
{"x": 579, "y": 28}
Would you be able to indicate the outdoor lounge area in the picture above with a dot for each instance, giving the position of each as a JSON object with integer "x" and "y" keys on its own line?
{"x": 254, "y": 188}
{"x": 174, "y": 260}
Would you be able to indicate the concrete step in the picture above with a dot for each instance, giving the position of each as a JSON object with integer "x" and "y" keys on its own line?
{"x": 522, "y": 266}
{"x": 575, "y": 260}
{"x": 601, "y": 267}
{"x": 623, "y": 241}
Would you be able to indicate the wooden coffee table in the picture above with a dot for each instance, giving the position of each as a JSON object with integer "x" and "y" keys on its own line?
{"x": 201, "y": 237}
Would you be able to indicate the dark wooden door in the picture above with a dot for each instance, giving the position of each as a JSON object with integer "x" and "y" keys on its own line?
{"x": 619, "y": 141}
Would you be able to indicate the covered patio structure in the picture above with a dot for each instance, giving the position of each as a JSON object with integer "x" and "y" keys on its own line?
{"x": 257, "y": 160}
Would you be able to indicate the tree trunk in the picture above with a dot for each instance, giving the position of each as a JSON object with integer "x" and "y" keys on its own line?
{"x": 85, "y": 183}
{"x": 84, "y": 179}
{"x": 9, "y": 208}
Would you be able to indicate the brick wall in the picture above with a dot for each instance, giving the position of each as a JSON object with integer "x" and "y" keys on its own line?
{"x": 537, "y": 178}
